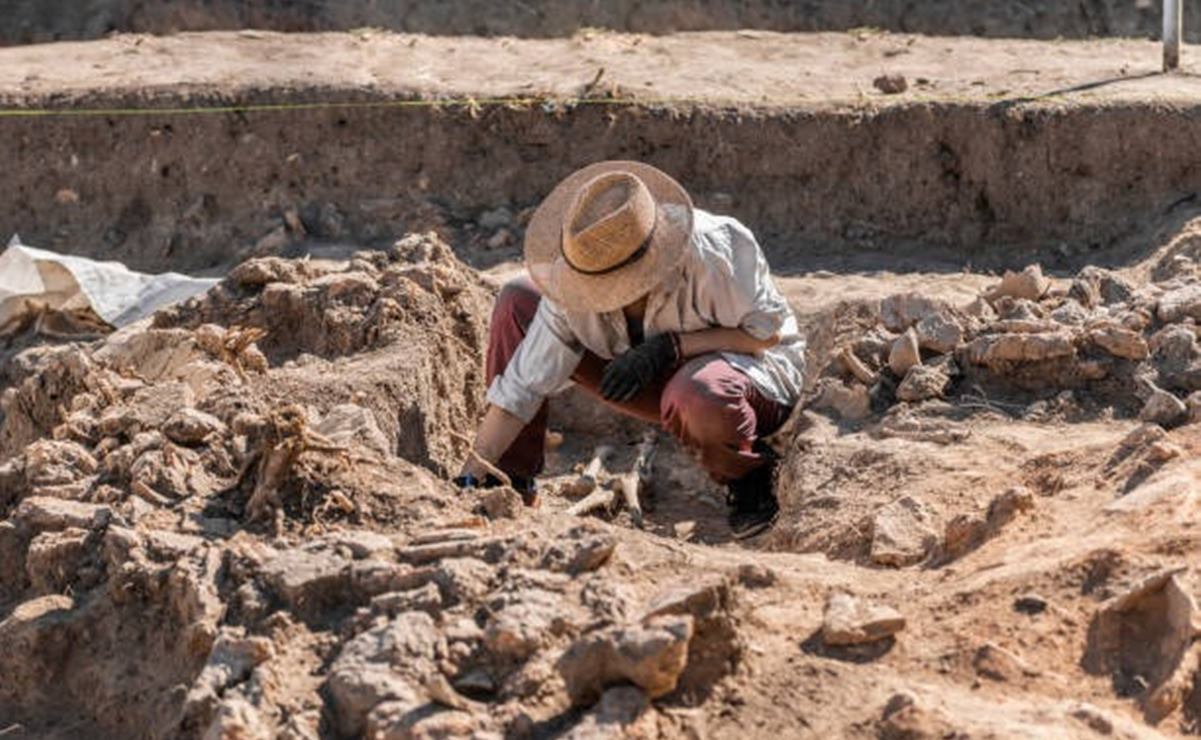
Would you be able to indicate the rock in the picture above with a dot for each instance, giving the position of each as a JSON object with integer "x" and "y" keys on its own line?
{"x": 902, "y": 533}
{"x": 904, "y": 718}
{"x": 998, "y": 664}
{"x": 998, "y": 349}
{"x": 618, "y": 709}
{"x": 1163, "y": 408}
{"x": 891, "y": 84}
{"x": 1029, "y": 284}
{"x": 1179, "y": 304}
{"x": 463, "y": 579}
{"x": 347, "y": 423}
{"x": 904, "y": 353}
{"x": 361, "y": 543}
{"x": 523, "y": 626}
{"x": 385, "y": 663}
{"x": 980, "y": 309}
{"x": 1141, "y": 637}
{"x": 902, "y": 310}
{"x": 850, "y": 621}
{"x": 49, "y": 462}
{"x": 851, "y": 403}
{"x": 1193, "y": 403}
{"x": 1120, "y": 342}
{"x": 963, "y": 533}
{"x": 1070, "y": 313}
{"x": 754, "y": 575}
{"x": 939, "y": 333}
{"x": 701, "y": 599}
{"x": 425, "y": 598}
{"x": 1003, "y": 508}
{"x": 54, "y": 559}
{"x": 400, "y": 720}
{"x": 189, "y": 427}
{"x": 39, "y": 513}
{"x": 502, "y": 502}
{"x": 651, "y": 656}
{"x": 581, "y": 549}
{"x": 308, "y": 582}
{"x": 1112, "y": 288}
{"x": 923, "y": 383}
{"x": 1030, "y": 604}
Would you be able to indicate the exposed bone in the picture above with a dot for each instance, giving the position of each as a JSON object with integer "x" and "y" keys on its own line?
{"x": 599, "y": 500}
{"x": 856, "y": 367}
{"x": 588, "y": 479}
{"x": 631, "y": 483}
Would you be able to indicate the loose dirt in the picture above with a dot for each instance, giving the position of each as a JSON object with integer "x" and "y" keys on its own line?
{"x": 233, "y": 521}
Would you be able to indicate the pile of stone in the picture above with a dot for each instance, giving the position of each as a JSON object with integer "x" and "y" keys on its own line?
{"x": 1031, "y": 337}
{"x": 250, "y": 490}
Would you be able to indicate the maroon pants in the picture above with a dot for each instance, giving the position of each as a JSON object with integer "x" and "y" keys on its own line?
{"x": 710, "y": 406}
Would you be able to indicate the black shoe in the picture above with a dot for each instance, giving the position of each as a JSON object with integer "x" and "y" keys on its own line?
{"x": 752, "y": 499}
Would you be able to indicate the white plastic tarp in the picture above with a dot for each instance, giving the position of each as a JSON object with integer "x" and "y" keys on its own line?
{"x": 61, "y": 282}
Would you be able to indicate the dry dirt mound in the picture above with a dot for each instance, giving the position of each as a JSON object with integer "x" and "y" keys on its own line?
{"x": 230, "y": 522}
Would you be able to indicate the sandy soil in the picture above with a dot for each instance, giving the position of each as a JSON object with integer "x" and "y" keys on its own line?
{"x": 233, "y": 521}
{"x": 745, "y": 67}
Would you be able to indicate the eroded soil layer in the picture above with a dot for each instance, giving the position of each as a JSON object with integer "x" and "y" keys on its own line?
{"x": 39, "y": 20}
{"x": 969, "y": 181}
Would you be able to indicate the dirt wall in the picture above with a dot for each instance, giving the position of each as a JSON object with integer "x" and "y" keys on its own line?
{"x": 987, "y": 184}
{"x": 47, "y": 20}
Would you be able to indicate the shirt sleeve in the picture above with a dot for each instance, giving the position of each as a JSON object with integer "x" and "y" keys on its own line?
{"x": 738, "y": 290}
{"x": 542, "y": 364}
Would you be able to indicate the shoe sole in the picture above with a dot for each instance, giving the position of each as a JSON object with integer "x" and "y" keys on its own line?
{"x": 756, "y": 529}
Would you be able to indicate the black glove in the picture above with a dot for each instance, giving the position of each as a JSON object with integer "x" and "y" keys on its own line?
{"x": 638, "y": 368}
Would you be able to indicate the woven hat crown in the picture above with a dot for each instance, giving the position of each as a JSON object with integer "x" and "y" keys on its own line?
{"x": 609, "y": 223}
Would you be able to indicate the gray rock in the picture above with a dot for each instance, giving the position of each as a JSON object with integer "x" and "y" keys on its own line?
{"x": 904, "y": 353}
{"x": 1163, "y": 408}
{"x": 1070, "y": 313}
{"x": 902, "y": 533}
{"x": 39, "y": 513}
{"x": 1120, "y": 342}
{"x": 939, "y": 333}
{"x": 1181, "y": 303}
{"x": 525, "y": 624}
{"x": 651, "y": 656}
{"x": 307, "y": 581}
{"x": 189, "y": 426}
{"x": 850, "y": 621}
{"x": 1029, "y": 284}
{"x": 923, "y": 383}
{"x": 385, "y": 663}
{"x": 851, "y": 403}
{"x": 901, "y": 311}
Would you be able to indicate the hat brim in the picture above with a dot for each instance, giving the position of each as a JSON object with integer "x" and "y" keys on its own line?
{"x": 580, "y": 292}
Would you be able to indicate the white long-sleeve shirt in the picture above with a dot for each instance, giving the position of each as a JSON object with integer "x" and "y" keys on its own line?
{"x": 724, "y": 281}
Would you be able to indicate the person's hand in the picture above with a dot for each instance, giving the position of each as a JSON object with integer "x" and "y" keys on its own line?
{"x": 638, "y": 368}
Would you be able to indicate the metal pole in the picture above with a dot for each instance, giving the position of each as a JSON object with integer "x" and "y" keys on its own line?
{"x": 1173, "y": 22}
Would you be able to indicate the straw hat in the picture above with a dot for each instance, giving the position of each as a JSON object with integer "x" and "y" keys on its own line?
{"x": 608, "y": 235}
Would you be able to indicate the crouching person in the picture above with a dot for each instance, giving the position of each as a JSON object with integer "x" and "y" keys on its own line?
{"x": 663, "y": 311}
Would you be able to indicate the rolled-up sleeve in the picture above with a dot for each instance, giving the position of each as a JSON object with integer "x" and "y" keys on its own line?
{"x": 739, "y": 291}
{"x": 543, "y": 364}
